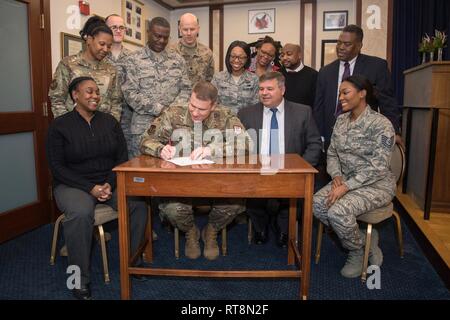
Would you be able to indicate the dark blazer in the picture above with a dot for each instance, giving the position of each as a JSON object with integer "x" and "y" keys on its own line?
{"x": 300, "y": 131}
{"x": 375, "y": 70}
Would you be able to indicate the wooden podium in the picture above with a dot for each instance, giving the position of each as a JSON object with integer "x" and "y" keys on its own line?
{"x": 426, "y": 130}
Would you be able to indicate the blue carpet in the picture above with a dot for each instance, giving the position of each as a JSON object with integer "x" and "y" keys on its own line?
{"x": 25, "y": 272}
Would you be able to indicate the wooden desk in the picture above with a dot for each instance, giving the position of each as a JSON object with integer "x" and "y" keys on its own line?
{"x": 148, "y": 176}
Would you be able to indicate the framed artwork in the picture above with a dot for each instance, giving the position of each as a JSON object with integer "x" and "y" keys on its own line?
{"x": 328, "y": 52}
{"x": 134, "y": 21}
{"x": 70, "y": 44}
{"x": 334, "y": 20}
{"x": 261, "y": 21}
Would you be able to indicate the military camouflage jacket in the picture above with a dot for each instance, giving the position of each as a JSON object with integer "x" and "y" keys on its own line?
{"x": 153, "y": 81}
{"x": 222, "y": 131}
{"x": 236, "y": 96}
{"x": 123, "y": 53}
{"x": 199, "y": 62}
{"x": 360, "y": 151}
{"x": 104, "y": 74}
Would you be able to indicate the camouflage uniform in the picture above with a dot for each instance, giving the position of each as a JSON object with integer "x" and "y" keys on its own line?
{"x": 125, "y": 119}
{"x": 104, "y": 74}
{"x": 236, "y": 96}
{"x": 360, "y": 152}
{"x": 199, "y": 61}
{"x": 152, "y": 81}
{"x": 160, "y": 133}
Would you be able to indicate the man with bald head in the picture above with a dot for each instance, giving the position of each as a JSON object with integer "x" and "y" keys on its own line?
{"x": 198, "y": 57}
{"x": 300, "y": 79}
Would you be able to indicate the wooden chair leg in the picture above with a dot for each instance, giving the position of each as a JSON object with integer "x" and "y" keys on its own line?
{"x": 224, "y": 241}
{"x": 55, "y": 239}
{"x": 319, "y": 242}
{"x": 101, "y": 234}
{"x": 399, "y": 232}
{"x": 176, "y": 233}
{"x": 366, "y": 252}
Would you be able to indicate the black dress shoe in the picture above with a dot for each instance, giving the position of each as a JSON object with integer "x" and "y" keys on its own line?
{"x": 84, "y": 293}
{"x": 261, "y": 237}
{"x": 282, "y": 240}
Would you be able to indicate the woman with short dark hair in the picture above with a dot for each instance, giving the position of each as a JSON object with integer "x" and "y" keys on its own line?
{"x": 237, "y": 87}
{"x": 83, "y": 146}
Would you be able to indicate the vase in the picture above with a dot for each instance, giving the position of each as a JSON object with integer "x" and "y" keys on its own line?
{"x": 431, "y": 56}
{"x": 424, "y": 57}
{"x": 439, "y": 54}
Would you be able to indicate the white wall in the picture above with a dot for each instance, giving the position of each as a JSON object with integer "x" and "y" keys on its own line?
{"x": 287, "y": 22}
{"x": 59, "y": 17}
{"x": 202, "y": 14}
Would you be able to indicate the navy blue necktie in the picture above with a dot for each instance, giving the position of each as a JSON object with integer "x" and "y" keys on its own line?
{"x": 274, "y": 148}
{"x": 345, "y": 75}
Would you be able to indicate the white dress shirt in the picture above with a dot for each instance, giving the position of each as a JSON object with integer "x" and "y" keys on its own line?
{"x": 265, "y": 136}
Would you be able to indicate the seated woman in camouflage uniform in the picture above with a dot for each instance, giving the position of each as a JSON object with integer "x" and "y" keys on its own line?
{"x": 89, "y": 62}
{"x": 358, "y": 161}
{"x": 237, "y": 87}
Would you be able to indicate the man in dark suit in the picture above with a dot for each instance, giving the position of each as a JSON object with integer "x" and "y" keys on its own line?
{"x": 351, "y": 61}
{"x": 282, "y": 127}
{"x": 348, "y": 49}
{"x": 300, "y": 79}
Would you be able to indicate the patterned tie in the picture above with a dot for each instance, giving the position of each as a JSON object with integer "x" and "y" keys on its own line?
{"x": 273, "y": 147}
{"x": 345, "y": 75}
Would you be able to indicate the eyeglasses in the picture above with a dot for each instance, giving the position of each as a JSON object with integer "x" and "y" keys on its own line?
{"x": 240, "y": 58}
{"x": 115, "y": 28}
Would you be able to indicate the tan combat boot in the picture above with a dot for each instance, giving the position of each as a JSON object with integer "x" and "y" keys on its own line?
{"x": 192, "y": 247}
{"x": 209, "y": 237}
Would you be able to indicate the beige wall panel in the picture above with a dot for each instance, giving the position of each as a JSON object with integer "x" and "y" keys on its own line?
{"x": 287, "y": 22}
{"x": 374, "y": 17}
{"x": 331, "y": 5}
{"x": 307, "y": 50}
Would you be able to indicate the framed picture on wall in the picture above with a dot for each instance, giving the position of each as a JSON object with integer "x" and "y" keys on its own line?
{"x": 334, "y": 20}
{"x": 261, "y": 21}
{"x": 328, "y": 52}
{"x": 134, "y": 21}
{"x": 70, "y": 44}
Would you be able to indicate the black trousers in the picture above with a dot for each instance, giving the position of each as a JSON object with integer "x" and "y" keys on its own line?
{"x": 78, "y": 207}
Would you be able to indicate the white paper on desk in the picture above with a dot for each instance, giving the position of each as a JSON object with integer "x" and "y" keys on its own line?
{"x": 187, "y": 161}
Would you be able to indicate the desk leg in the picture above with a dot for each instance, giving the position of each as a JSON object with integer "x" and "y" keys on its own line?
{"x": 306, "y": 236}
{"x": 148, "y": 249}
{"x": 292, "y": 229}
{"x": 124, "y": 237}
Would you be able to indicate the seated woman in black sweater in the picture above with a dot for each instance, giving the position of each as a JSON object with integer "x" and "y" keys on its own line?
{"x": 82, "y": 148}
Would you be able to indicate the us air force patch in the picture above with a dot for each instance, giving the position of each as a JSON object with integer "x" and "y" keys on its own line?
{"x": 387, "y": 142}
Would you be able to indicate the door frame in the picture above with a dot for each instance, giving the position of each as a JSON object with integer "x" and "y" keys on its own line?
{"x": 22, "y": 219}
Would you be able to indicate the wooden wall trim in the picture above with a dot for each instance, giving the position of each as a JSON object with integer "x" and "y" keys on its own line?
{"x": 358, "y": 12}
{"x": 302, "y": 28}
{"x": 314, "y": 32}
{"x": 390, "y": 31}
{"x": 221, "y": 31}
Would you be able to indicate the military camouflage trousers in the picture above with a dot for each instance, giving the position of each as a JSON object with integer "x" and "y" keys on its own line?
{"x": 134, "y": 146}
{"x": 341, "y": 216}
{"x": 180, "y": 214}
